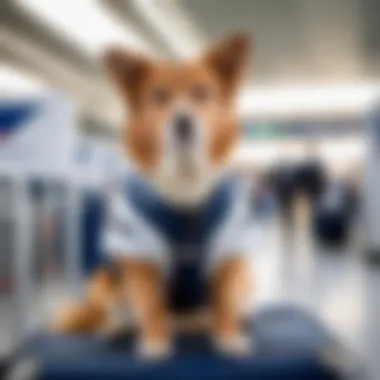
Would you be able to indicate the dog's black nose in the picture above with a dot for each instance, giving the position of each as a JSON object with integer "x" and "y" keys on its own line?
{"x": 183, "y": 126}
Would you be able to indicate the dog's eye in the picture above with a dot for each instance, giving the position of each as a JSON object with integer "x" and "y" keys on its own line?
{"x": 160, "y": 96}
{"x": 200, "y": 93}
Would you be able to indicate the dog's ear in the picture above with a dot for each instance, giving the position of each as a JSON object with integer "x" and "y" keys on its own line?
{"x": 228, "y": 60}
{"x": 127, "y": 70}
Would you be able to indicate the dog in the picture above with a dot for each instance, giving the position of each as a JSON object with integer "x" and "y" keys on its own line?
{"x": 177, "y": 225}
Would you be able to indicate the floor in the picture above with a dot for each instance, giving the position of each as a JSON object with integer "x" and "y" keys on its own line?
{"x": 334, "y": 285}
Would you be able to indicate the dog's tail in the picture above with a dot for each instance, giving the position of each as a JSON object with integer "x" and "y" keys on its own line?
{"x": 93, "y": 313}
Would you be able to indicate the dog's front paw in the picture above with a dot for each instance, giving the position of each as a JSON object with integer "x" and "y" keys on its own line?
{"x": 153, "y": 350}
{"x": 233, "y": 345}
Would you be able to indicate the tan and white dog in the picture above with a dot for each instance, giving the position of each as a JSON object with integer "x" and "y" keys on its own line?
{"x": 181, "y": 130}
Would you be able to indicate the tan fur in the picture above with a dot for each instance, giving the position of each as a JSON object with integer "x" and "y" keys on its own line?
{"x": 218, "y": 70}
{"x": 229, "y": 289}
{"x": 151, "y": 89}
{"x": 144, "y": 289}
{"x": 91, "y": 314}
{"x": 141, "y": 289}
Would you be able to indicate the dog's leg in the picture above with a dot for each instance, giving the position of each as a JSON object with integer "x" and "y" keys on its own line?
{"x": 92, "y": 314}
{"x": 228, "y": 291}
{"x": 144, "y": 285}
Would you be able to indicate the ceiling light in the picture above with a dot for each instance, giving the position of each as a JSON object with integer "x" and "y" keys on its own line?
{"x": 171, "y": 24}
{"x": 279, "y": 101}
{"x": 86, "y": 22}
{"x": 15, "y": 83}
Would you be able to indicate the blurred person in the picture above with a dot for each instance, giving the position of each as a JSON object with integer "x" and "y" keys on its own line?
{"x": 283, "y": 179}
{"x": 311, "y": 178}
{"x": 262, "y": 195}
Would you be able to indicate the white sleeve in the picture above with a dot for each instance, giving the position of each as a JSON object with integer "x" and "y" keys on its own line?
{"x": 128, "y": 235}
{"x": 235, "y": 236}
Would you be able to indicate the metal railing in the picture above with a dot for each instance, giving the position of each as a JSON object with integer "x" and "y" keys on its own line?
{"x": 39, "y": 252}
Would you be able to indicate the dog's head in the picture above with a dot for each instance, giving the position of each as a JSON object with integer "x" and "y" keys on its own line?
{"x": 182, "y": 123}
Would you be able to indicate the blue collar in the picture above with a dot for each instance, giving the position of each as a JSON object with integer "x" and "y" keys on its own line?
{"x": 177, "y": 225}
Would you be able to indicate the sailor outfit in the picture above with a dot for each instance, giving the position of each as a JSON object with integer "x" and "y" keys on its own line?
{"x": 185, "y": 244}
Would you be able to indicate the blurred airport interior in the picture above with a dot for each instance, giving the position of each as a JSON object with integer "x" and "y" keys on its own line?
{"x": 310, "y": 147}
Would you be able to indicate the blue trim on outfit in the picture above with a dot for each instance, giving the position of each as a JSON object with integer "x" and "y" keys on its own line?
{"x": 187, "y": 232}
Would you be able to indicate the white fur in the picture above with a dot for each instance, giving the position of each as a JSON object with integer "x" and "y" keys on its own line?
{"x": 184, "y": 175}
{"x": 154, "y": 349}
{"x": 237, "y": 345}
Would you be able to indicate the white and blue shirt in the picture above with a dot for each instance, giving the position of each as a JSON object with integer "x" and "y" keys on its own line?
{"x": 187, "y": 245}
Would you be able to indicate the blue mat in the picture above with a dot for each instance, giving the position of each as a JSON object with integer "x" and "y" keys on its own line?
{"x": 290, "y": 344}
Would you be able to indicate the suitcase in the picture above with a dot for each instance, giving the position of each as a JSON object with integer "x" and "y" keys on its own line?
{"x": 289, "y": 344}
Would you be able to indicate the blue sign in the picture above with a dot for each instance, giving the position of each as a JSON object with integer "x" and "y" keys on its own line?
{"x": 13, "y": 116}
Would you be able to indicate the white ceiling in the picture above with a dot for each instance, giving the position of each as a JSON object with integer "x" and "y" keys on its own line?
{"x": 301, "y": 46}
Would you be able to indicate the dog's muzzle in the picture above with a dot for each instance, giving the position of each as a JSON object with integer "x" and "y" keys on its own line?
{"x": 184, "y": 129}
